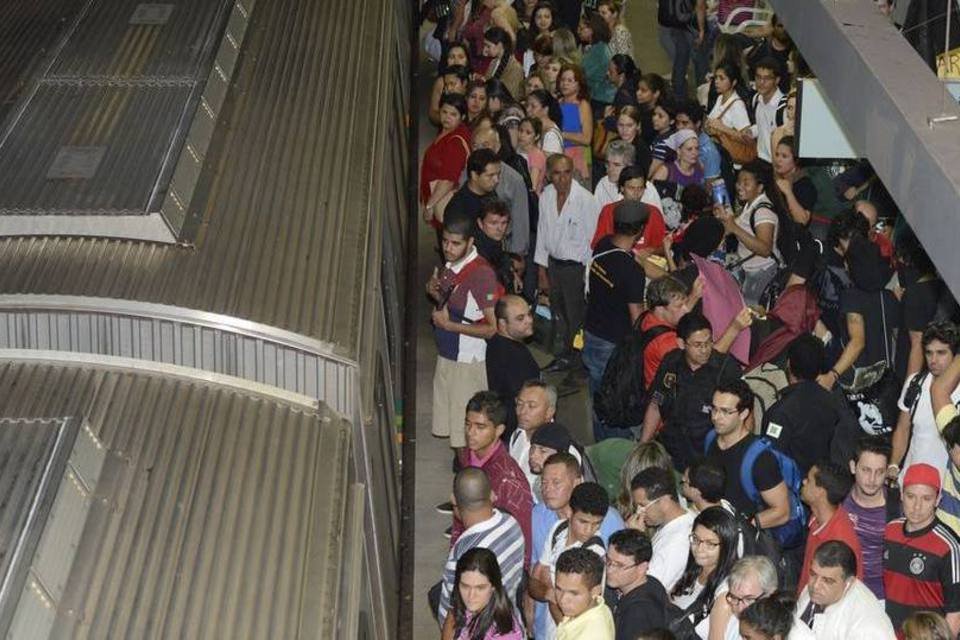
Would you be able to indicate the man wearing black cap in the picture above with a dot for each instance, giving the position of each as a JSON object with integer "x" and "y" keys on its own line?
{"x": 615, "y": 288}
{"x": 546, "y": 441}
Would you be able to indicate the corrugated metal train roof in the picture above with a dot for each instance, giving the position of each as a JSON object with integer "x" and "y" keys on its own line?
{"x": 215, "y": 512}
{"x": 286, "y": 223}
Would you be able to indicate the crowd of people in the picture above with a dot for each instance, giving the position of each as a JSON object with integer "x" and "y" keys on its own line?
{"x": 772, "y": 386}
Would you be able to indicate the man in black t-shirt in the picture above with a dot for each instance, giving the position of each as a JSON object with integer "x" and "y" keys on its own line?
{"x": 615, "y": 291}
{"x": 731, "y": 410}
{"x": 638, "y": 601}
{"x": 483, "y": 176}
{"x": 509, "y": 363}
{"x": 682, "y": 391}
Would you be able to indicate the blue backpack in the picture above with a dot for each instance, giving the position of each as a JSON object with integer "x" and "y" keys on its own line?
{"x": 790, "y": 534}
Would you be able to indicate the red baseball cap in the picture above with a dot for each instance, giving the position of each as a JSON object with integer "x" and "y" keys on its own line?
{"x": 922, "y": 473}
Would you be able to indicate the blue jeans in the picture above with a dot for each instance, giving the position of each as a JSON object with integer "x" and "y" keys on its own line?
{"x": 596, "y": 352}
{"x": 683, "y": 43}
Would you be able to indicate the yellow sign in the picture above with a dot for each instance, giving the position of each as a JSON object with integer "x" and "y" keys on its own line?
{"x": 949, "y": 69}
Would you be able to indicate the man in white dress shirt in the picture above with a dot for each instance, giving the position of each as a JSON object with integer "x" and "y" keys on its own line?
{"x": 568, "y": 218}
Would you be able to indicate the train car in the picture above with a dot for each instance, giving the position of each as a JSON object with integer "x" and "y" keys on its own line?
{"x": 203, "y": 208}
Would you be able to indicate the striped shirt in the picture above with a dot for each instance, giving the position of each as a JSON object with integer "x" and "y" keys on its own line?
{"x": 949, "y": 510}
{"x": 502, "y": 535}
{"x": 921, "y": 570}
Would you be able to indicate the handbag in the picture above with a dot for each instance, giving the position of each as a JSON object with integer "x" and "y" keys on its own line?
{"x": 873, "y": 393}
{"x": 741, "y": 152}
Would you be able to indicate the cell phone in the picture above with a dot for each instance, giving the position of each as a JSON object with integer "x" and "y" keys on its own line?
{"x": 720, "y": 195}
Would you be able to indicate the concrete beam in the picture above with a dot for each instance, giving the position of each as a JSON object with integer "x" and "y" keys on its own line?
{"x": 885, "y": 95}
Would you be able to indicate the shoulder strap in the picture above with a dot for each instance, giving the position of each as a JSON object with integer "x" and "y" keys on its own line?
{"x": 563, "y": 526}
{"x": 586, "y": 271}
{"x": 753, "y": 452}
{"x": 466, "y": 145}
{"x": 918, "y": 380}
{"x": 709, "y": 440}
{"x": 727, "y": 108}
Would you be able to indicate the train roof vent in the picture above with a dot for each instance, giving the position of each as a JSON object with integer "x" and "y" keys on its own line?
{"x": 111, "y": 137}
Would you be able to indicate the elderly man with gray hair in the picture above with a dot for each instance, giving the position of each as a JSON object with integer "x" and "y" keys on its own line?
{"x": 620, "y": 154}
{"x": 750, "y": 579}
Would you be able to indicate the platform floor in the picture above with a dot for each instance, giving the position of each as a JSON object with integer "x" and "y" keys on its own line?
{"x": 433, "y": 455}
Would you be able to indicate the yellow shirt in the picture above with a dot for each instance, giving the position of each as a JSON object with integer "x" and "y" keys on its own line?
{"x": 596, "y": 623}
{"x": 949, "y": 509}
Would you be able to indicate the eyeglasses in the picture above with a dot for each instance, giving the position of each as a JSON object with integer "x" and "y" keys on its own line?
{"x": 651, "y": 503}
{"x": 611, "y": 564}
{"x": 724, "y": 410}
{"x": 697, "y": 542}
{"x": 745, "y": 601}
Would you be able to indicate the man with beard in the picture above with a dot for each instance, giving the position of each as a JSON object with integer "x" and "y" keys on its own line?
{"x": 509, "y": 363}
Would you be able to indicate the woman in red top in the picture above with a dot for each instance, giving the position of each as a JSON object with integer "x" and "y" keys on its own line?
{"x": 445, "y": 159}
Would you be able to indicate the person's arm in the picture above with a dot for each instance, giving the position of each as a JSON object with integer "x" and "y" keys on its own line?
{"x": 585, "y": 136}
{"x": 720, "y": 614}
{"x": 701, "y": 12}
{"x": 901, "y": 435}
{"x": 555, "y": 612}
{"x": 850, "y": 353}
{"x": 941, "y": 388}
{"x": 435, "y": 93}
{"x": 635, "y": 309}
{"x": 519, "y": 240}
{"x": 433, "y": 285}
{"x": 915, "y": 359}
{"x": 668, "y": 253}
{"x": 540, "y": 586}
{"x": 498, "y": 17}
{"x": 483, "y": 330}
{"x": 446, "y": 633}
{"x": 797, "y": 211}
{"x": 741, "y": 321}
{"x": 760, "y": 244}
{"x": 777, "y": 512}
{"x": 658, "y": 170}
{"x": 953, "y": 621}
{"x": 651, "y": 420}
{"x": 441, "y": 189}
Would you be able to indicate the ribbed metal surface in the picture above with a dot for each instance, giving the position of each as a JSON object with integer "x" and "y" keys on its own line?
{"x": 215, "y": 512}
{"x": 130, "y": 126}
{"x": 105, "y": 44}
{"x": 291, "y": 189}
{"x": 27, "y": 31}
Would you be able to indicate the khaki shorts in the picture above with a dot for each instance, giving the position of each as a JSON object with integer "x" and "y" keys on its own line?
{"x": 454, "y": 383}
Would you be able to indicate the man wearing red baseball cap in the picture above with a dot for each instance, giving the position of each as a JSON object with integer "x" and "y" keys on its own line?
{"x": 921, "y": 554}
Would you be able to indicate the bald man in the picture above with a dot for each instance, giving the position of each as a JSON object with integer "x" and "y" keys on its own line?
{"x": 511, "y": 189}
{"x": 484, "y": 526}
{"x": 509, "y": 363}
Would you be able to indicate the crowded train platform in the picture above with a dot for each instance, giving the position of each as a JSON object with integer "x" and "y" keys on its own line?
{"x": 677, "y": 378}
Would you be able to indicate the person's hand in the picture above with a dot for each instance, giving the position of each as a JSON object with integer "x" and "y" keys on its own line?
{"x": 850, "y": 193}
{"x": 427, "y": 213}
{"x": 543, "y": 283}
{"x": 433, "y": 284}
{"x": 635, "y": 521}
{"x": 710, "y": 125}
{"x": 784, "y": 185}
{"x": 893, "y": 472}
{"x": 697, "y": 289}
{"x": 743, "y": 319}
{"x": 827, "y": 380}
{"x": 667, "y": 243}
{"x": 640, "y": 255}
{"x": 725, "y": 215}
{"x": 441, "y": 318}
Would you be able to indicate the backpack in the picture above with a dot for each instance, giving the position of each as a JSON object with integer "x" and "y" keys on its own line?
{"x": 677, "y": 14}
{"x": 621, "y": 399}
{"x": 563, "y": 526}
{"x": 767, "y": 383}
{"x": 759, "y": 542}
{"x": 790, "y": 534}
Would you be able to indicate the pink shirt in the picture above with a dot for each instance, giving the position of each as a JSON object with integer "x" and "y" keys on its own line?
{"x": 492, "y": 634}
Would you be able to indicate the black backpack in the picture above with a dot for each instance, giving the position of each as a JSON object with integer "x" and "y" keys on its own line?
{"x": 677, "y": 14}
{"x": 621, "y": 399}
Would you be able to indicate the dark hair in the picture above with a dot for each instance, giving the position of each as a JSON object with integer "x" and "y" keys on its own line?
{"x": 626, "y": 66}
{"x": 634, "y": 227}
{"x": 599, "y": 27}
{"x": 459, "y": 223}
{"x": 943, "y": 331}
{"x": 762, "y": 172}
{"x": 872, "y": 444}
{"x": 740, "y": 389}
{"x": 847, "y": 224}
{"x": 632, "y": 172}
{"x": 691, "y": 323}
{"x": 544, "y": 5}
{"x": 697, "y": 203}
{"x": 654, "y": 82}
{"x": 456, "y": 101}
{"x": 656, "y": 482}
{"x": 663, "y": 290}
{"x": 732, "y": 71}
{"x": 769, "y": 63}
{"x": 805, "y": 356}
{"x": 912, "y": 253}
{"x": 834, "y": 479}
{"x": 835, "y": 553}
{"x": 951, "y": 433}
{"x": 590, "y": 498}
{"x": 489, "y": 404}
{"x": 791, "y": 143}
{"x": 462, "y": 73}
{"x": 542, "y": 44}
{"x": 719, "y": 521}
{"x": 583, "y": 92}
{"x": 668, "y": 104}
{"x": 479, "y": 159}
{"x": 498, "y": 613}
{"x": 495, "y": 206}
{"x": 566, "y": 459}
{"x": 551, "y": 104}
{"x": 496, "y": 89}
{"x": 656, "y": 634}
{"x": 584, "y": 562}
{"x": 771, "y": 616}
{"x": 633, "y": 543}
{"x": 499, "y": 35}
{"x": 443, "y": 67}
{"x": 692, "y": 108}
{"x": 709, "y": 478}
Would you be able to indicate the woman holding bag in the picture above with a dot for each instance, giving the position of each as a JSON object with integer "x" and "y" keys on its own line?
{"x": 728, "y": 121}
{"x": 445, "y": 159}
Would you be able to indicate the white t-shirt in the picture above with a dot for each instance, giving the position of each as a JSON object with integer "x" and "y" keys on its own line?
{"x": 607, "y": 192}
{"x": 552, "y": 141}
{"x": 926, "y": 444}
{"x": 703, "y": 627}
{"x": 764, "y": 215}
{"x": 671, "y": 547}
{"x": 552, "y": 551}
{"x": 736, "y": 117}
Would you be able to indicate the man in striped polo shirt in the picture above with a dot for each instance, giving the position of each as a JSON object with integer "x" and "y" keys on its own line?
{"x": 921, "y": 555}
{"x": 484, "y": 527}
